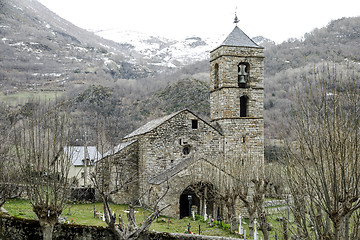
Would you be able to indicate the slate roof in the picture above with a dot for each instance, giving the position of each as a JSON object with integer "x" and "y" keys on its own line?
{"x": 167, "y": 174}
{"x": 151, "y": 125}
{"x": 118, "y": 148}
{"x": 237, "y": 38}
{"x": 157, "y": 122}
{"x": 77, "y": 154}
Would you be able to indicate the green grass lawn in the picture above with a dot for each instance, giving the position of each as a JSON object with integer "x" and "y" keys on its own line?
{"x": 83, "y": 214}
{"x": 26, "y": 96}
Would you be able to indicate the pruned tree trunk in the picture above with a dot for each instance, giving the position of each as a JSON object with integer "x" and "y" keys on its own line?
{"x": 251, "y": 212}
{"x": 285, "y": 229}
{"x": 264, "y": 226}
{"x": 47, "y": 228}
{"x": 233, "y": 224}
{"x": 347, "y": 227}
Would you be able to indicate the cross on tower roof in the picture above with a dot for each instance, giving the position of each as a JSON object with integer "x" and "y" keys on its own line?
{"x": 236, "y": 20}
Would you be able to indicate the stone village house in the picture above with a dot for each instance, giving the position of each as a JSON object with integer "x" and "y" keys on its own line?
{"x": 191, "y": 155}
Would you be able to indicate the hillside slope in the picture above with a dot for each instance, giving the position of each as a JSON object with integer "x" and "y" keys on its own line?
{"x": 289, "y": 64}
{"x": 122, "y": 115}
{"x": 41, "y": 50}
{"x": 337, "y": 42}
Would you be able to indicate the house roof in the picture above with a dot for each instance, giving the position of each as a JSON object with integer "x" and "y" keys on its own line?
{"x": 77, "y": 154}
{"x": 237, "y": 38}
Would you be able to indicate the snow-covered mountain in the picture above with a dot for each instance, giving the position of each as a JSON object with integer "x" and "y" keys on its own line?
{"x": 169, "y": 52}
{"x": 163, "y": 51}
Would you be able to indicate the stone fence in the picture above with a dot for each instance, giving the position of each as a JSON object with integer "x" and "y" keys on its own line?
{"x": 13, "y": 228}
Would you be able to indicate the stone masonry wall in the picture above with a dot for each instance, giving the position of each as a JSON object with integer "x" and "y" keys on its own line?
{"x": 125, "y": 166}
{"x": 225, "y": 100}
{"x": 164, "y": 148}
{"x": 12, "y": 228}
{"x": 228, "y": 58}
{"x": 244, "y": 141}
{"x": 226, "y": 103}
{"x": 244, "y": 136}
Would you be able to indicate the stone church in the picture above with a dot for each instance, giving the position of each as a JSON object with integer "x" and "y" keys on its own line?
{"x": 189, "y": 157}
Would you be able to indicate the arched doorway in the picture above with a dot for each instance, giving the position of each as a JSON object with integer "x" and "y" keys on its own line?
{"x": 195, "y": 197}
{"x": 188, "y": 199}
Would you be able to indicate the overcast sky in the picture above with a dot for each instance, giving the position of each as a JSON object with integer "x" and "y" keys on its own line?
{"x": 278, "y": 20}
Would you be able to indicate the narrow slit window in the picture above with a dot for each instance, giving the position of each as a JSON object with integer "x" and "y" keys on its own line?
{"x": 194, "y": 124}
{"x": 243, "y": 106}
{"x": 216, "y": 76}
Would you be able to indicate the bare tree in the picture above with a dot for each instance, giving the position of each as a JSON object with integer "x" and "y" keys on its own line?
{"x": 323, "y": 165}
{"x": 250, "y": 185}
{"x": 260, "y": 188}
{"x": 8, "y": 175}
{"x": 101, "y": 178}
{"x": 40, "y": 140}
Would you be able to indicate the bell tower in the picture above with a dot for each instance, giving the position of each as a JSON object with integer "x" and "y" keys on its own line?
{"x": 236, "y": 96}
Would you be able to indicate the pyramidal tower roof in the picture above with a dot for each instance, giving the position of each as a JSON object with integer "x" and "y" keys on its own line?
{"x": 237, "y": 38}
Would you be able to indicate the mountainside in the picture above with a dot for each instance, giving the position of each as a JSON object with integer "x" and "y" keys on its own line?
{"x": 337, "y": 42}
{"x": 41, "y": 50}
{"x": 121, "y": 115}
{"x": 289, "y": 64}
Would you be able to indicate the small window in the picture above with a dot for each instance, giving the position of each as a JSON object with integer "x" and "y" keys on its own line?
{"x": 194, "y": 124}
{"x": 186, "y": 150}
{"x": 243, "y": 106}
{"x": 216, "y": 76}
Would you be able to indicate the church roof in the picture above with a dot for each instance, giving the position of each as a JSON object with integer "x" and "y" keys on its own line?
{"x": 167, "y": 174}
{"x": 157, "y": 122}
{"x": 237, "y": 38}
{"x": 151, "y": 125}
{"x": 118, "y": 148}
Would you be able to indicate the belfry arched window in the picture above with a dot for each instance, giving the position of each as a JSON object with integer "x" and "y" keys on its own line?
{"x": 244, "y": 106}
{"x": 216, "y": 76}
{"x": 243, "y": 74}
